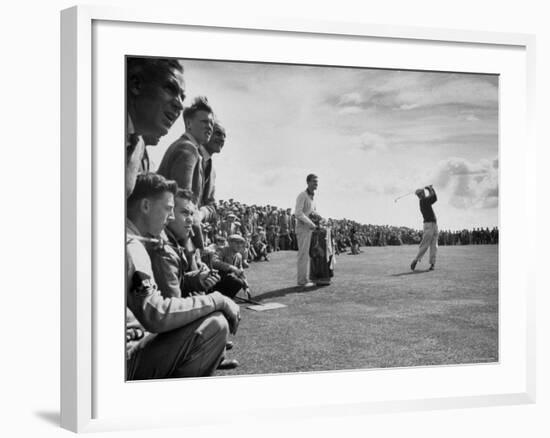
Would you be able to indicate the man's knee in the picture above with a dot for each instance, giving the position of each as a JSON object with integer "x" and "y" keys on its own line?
{"x": 214, "y": 325}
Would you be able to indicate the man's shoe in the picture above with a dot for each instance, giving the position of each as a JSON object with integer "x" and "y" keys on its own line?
{"x": 413, "y": 265}
{"x": 432, "y": 267}
{"x": 228, "y": 364}
{"x": 308, "y": 284}
{"x": 229, "y": 345}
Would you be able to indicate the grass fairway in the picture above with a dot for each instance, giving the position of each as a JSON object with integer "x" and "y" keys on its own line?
{"x": 375, "y": 314}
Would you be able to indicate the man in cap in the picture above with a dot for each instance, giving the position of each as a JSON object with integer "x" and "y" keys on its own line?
{"x": 229, "y": 226}
{"x": 284, "y": 230}
{"x": 431, "y": 232}
{"x": 228, "y": 261}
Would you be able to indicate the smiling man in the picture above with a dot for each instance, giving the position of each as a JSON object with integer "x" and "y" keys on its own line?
{"x": 155, "y": 90}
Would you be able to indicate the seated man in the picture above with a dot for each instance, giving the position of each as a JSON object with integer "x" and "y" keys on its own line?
{"x": 184, "y": 337}
{"x": 219, "y": 242}
{"x": 175, "y": 274}
{"x": 228, "y": 260}
{"x": 247, "y": 253}
{"x": 259, "y": 246}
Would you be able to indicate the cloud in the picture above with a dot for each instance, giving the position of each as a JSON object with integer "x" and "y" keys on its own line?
{"x": 372, "y": 142}
{"x": 467, "y": 184}
{"x": 350, "y": 110}
{"x": 449, "y": 89}
{"x": 408, "y": 91}
{"x": 353, "y": 98}
{"x": 490, "y": 203}
{"x": 411, "y": 106}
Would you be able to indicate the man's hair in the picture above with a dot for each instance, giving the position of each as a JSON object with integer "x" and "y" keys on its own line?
{"x": 150, "y": 69}
{"x": 218, "y": 124}
{"x": 151, "y": 185}
{"x": 310, "y": 177}
{"x": 199, "y": 104}
{"x": 186, "y": 194}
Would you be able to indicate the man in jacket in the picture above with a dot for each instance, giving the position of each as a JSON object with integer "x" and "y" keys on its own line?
{"x": 183, "y": 162}
{"x": 185, "y": 337}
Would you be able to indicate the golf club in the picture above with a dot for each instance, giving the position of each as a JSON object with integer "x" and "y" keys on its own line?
{"x": 402, "y": 196}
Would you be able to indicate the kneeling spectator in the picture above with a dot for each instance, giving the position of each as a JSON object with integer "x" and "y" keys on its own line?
{"x": 228, "y": 260}
{"x": 259, "y": 245}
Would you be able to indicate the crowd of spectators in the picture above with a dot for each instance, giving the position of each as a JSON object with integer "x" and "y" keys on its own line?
{"x": 273, "y": 228}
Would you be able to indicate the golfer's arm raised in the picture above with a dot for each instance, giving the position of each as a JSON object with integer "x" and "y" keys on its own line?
{"x": 432, "y": 195}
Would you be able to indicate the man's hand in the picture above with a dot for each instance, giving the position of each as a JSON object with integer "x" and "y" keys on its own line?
{"x": 232, "y": 312}
{"x": 237, "y": 271}
{"x": 208, "y": 279}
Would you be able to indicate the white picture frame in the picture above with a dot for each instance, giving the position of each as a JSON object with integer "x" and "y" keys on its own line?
{"x": 83, "y": 405}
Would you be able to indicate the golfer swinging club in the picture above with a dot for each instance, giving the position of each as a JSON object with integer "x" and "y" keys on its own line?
{"x": 429, "y": 237}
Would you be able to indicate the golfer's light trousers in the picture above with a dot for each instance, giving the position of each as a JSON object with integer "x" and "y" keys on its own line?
{"x": 429, "y": 240}
{"x": 303, "y": 235}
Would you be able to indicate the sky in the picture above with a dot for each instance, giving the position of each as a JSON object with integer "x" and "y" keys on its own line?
{"x": 370, "y": 135}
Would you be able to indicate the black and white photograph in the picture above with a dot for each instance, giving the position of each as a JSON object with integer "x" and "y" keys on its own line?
{"x": 285, "y": 218}
{"x": 327, "y": 219}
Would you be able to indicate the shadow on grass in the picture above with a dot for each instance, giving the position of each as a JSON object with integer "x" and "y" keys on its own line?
{"x": 410, "y": 273}
{"x": 285, "y": 291}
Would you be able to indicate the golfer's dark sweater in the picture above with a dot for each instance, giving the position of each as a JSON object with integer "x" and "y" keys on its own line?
{"x": 426, "y": 207}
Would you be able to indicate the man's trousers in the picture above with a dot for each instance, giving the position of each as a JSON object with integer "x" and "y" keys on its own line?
{"x": 194, "y": 350}
{"x": 304, "y": 241}
{"x": 429, "y": 240}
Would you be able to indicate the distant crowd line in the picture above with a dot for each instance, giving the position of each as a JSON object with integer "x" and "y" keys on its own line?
{"x": 268, "y": 228}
